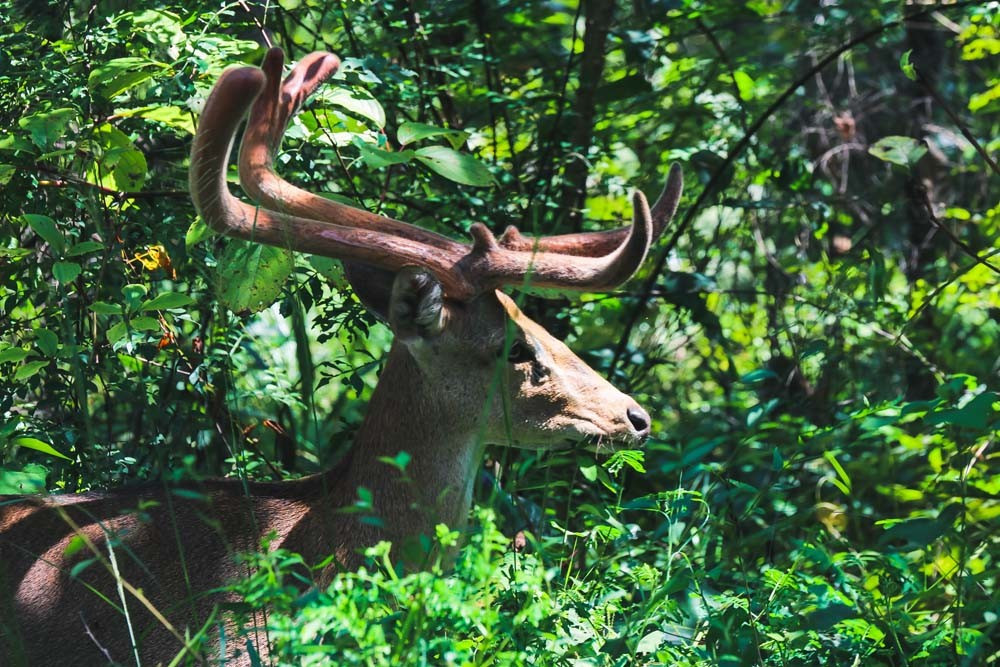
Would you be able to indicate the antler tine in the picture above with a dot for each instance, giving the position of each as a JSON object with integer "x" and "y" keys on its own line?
{"x": 224, "y": 109}
{"x": 262, "y": 138}
{"x": 499, "y": 266}
{"x": 595, "y": 244}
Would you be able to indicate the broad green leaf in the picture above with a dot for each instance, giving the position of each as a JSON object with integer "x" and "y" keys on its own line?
{"x": 903, "y": 151}
{"x": 14, "y": 354}
{"x": 134, "y": 293}
{"x": 117, "y": 332}
{"x": 410, "y": 132}
{"x": 116, "y": 76}
{"x": 173, "y": 117}
{"x": 102, "y": 308}
{"x": 47, "y": 342}
{"x": 7, "y": 172}
{"x": 167, "y": 301}
{"x": 39, "y": 446}
{"x": 144, "y": 323}
{"x": 976, "y": 414}
{"x": 122, "y": 158}
{"x": 745, "y": 84}
{"x": 376, "y": 158}
{"x": 358, "y": 102}
{"x": 66, "y": 272}
{"x": 651, "y": 642}
{"x": 47, "y": 127}
{"x": 29, "y": 369}
{"x": 83, "y": 248}
{"x": 30, "y": 479}
{"x": 330, "y": 269}
{"x": 458, "y": 167}
{"x": 196, "y": 233}
{"x": 45, "y": 227}
{"x": 250, "y": 276}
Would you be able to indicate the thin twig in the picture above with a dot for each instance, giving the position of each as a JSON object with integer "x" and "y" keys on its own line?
{"x": 712, "y": 185}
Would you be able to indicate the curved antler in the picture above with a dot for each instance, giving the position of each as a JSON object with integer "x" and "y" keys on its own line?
{"x": 269, "y": 119}
{"x": 593, "y": 244}
{"x": 319, "y": 226}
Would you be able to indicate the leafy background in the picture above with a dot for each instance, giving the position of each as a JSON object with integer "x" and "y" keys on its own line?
{"x": 816, "y": 337}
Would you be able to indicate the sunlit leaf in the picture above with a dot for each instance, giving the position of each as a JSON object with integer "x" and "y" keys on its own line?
{"x": 459, "y": 167}
{"x": 250, "y": 276}
{"x": 904, "y": 151}
{"x": 38, "y": 446}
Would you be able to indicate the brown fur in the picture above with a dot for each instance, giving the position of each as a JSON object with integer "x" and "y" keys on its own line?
{"x": 178, "y": 550}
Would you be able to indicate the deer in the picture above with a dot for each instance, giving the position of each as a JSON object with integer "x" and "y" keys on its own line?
{"x": 136, "y": 574}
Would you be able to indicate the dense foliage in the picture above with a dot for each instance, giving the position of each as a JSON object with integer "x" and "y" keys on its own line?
{"x": 817, "y": 337}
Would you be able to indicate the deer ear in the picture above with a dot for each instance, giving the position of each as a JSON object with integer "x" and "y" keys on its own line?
{"x": 416, "y": 305}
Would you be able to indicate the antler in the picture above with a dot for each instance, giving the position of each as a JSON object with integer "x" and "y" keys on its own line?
{"x": 269, "y": 119}
{"x": 316, "y": 225}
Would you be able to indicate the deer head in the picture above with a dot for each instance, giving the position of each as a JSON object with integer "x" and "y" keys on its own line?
{"x": 439, "y": 296}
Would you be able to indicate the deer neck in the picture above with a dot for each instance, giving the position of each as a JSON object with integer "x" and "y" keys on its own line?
{"x": 408, "y": 412}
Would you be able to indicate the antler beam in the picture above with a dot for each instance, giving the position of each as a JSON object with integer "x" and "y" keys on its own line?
{"x": 296, "y": 219}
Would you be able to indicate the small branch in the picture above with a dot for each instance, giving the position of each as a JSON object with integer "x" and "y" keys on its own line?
{"x": 119, "y": 195}
{"x": 712, "y": 186}
{"x": 922, "y": 80}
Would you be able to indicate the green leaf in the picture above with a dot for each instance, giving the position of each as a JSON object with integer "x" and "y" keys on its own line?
{"x": 906, "y": 66}
{"x": 14, "y": 354}
{"x": 410, "y": 132}
{"x": 458, "y": 167}
{"x": 977, "y": 414}
{"x": 30, "y": 479}
{"x": 7, "y": 172}
{"x": 986, "y": 99}
{"x": 651, "y": 642}
{"x": 331, "y": 269}
{"x": 134, "y": 293}
{"x": 29, "y": 369}
{"x": 116, "y": 76}
{"x": 83, "y": 248}
{"x": 122, "y": 158}
{"x": 66, "y": 272}
{"x": 197, "y": 232}
{"x": 144, "y": 323}
{"x": 46, "y": 228}
{"x": 47, "y": 127}
{"x": 117, "y": 332}
{"x": 250, "y": 276}
{"x": 171, "y": 116}
{"x": 745, "y": 84}
{"x": 47, "y": 342}
{"x": 167, "y": 301}
{"x": 38, "y": 446}
{"x": 357, "y": 102}
{"x": 758, "y": 376}
{"x": 904, "y": 151}
{"x": 376, "y": 158}
{"x": 102, "y": 308}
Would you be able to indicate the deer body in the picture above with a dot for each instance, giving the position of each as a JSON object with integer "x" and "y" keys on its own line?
{"x": 466, "y": 369}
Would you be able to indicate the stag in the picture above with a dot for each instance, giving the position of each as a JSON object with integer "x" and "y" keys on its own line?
{"x": 466, "y": 369}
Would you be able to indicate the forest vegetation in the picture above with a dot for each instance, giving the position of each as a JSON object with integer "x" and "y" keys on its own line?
{"x": 816, "y": 337}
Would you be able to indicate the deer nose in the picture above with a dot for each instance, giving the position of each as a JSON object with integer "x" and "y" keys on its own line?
{"x": 639, "y": 419}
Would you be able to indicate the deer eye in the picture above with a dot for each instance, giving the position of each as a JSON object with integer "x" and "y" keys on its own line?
{"x": 520, "y": 352}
